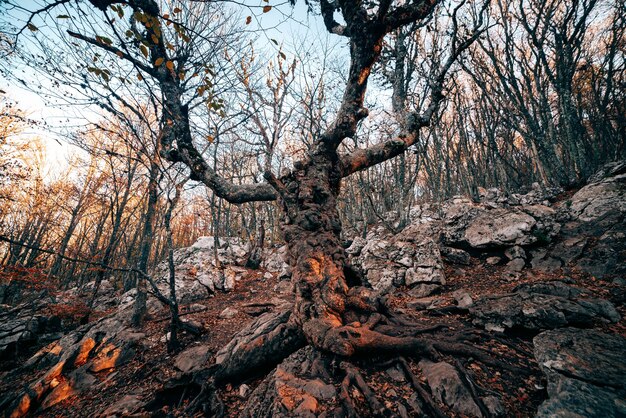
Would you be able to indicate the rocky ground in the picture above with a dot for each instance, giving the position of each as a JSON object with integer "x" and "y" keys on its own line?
{"x": 537, "y": 282}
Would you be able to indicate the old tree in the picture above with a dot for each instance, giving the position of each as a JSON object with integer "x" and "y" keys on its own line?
{"x": 332, "y": 312}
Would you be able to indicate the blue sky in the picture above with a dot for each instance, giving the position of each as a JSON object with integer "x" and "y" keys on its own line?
{"x": 289, "y": 26}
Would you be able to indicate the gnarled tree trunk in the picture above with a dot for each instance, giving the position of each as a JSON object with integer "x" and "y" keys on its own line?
{"x": 311, "y": 228}
{"x": 330, "y": 312}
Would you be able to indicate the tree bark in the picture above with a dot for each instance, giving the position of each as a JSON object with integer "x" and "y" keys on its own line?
{"x": 311, "y": 228}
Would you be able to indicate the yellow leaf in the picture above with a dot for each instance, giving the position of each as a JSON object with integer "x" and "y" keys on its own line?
{"x": 210, "y": 139}
{"x": 166, "y": 16}
{"x": 170, "y": 65}
{"x": 158, "y": 62}
{"x": 177, "y": 10}
{"x": 267, "y": 9}
{"x": 139, "y": 77}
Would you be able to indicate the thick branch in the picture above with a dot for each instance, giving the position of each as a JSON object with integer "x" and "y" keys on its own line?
{"x": 327, "y": 9}
{"x": 201, "y": 171}
{"x": 409, "y": 13}
{"x": 362, "y": 159}
{"x": 175, "y": 123}
{"x": 366, "y": 37}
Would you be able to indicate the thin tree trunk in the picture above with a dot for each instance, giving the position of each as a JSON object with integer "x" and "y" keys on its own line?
{"x": 139, "y": 308}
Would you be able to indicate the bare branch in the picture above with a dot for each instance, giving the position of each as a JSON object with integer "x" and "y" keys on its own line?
{"x": 114, "y": 50}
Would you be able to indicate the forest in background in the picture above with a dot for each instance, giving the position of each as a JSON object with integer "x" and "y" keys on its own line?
{"x": 537, "y": 98}
{"x": 317, "y": 208}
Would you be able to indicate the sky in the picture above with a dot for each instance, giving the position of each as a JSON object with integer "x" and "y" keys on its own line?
{"x": 286, "y": 24}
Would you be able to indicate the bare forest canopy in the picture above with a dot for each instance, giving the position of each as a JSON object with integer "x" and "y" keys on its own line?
{"x": 537, "y": 97}
{"x": 308, "y": 126}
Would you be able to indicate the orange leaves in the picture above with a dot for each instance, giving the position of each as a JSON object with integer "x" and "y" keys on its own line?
{"x": 29, "y": 277}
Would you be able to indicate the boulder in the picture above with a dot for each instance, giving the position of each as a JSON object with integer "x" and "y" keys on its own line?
{"x": 455, "y": 255}
{"x": 192, "y": 358}
{"x": 604, "y": 194}
{"x": 586, "y": 373}
{"x": 410, "y": 258}
{"x": 530, "y": 308}
{"x": 500, "y": 228}
{"x": 448, "y": 388}
{"x": 23, "y": 327}
{"x": 593, "y": 239}
{"x": 73, "y": 364}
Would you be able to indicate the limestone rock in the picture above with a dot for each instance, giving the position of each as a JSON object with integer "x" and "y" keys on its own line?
{"x": 72, "y": 362}
{"x": 500, "y": 227}
{"x": 554, "y": 288}
{"x": 586, "y": 373}
{"x": 422, "y": 290}
{"x": 192, "y": 358}
{"x": 199, "y": 273}
{"x": 462, "y": 298}
{"x": 534, "y": 310}
{"x": 23, "y": 327}
{"x": 410, "y": 258}
{"x": 447, "y": 387}
{"x": 126, "y": 406}
{"x": 594, "y": 239}
{"x": 455, "y": 255}
{"x": 228, "y": 313}
{"x": 274, "y": 259}
{"x": 516, "y": 265}
{"x": 604, "y": 194}
{"x": 515, "y": 252}
{"x": 357, "y": 246}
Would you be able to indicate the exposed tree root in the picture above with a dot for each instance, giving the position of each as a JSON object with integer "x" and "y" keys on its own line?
{"x": 265, "y": 343}
{"x": 273, "y": 337}
{"x": 469, "y": 383}
{"x": 353, "y": 376}
{"x": 207, "y": 401}
{"x": 432, "y": 409}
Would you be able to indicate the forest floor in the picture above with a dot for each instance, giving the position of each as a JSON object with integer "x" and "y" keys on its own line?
{"x": 521, "y": 393}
